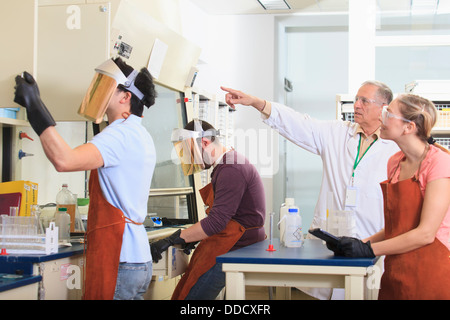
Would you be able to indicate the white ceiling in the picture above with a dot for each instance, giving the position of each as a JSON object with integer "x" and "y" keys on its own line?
{"x": 316, "y": 6}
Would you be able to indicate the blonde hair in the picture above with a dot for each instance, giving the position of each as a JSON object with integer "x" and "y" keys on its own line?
{"x": 423, "y": 113}
{"x": 419, "y": 110}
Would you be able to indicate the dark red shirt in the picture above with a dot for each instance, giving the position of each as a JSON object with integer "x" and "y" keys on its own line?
{"x": 238, "y": 195}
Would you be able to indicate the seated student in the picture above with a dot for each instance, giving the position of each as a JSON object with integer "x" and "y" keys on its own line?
{"x": 415, "y": 238}
{"x": 236, "y": 213}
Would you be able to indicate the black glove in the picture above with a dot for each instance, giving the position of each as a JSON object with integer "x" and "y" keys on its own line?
{"x": 334, "y": 247}
{"x": 28, "y": 96}
{"x": 158, "y": 247}
{"x": 353, "y": 248}
{"x": 189, "y": 247}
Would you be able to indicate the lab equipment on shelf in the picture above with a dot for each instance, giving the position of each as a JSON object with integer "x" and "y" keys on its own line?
{"x": 20, "y": 236}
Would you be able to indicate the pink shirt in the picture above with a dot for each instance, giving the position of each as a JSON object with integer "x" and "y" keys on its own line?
{"x": 436, "y": 165}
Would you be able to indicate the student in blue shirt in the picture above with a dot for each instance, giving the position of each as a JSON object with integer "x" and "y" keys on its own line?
{"x": 122, "y": 160}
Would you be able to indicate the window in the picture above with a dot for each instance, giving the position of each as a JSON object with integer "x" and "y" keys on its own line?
{"x": 172, "y": 195}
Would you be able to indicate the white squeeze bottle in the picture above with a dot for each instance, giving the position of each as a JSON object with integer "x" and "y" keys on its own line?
{"x": 289, "y": 202}
{"x": 293, "y": 237}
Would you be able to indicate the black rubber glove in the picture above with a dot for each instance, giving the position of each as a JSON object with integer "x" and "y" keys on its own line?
{"x": 334, "y": 247}
{"x": 158, "y": 247}
{"x": 354, "y": 248}
{"x": 189, "y": 247}
{"x": 28, "y": 96}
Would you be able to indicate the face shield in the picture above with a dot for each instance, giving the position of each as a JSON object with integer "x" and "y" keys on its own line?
{"x": 188, "y": 147}
{"x": 107, "y": 78}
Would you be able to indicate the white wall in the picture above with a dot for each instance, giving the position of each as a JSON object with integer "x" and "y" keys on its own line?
{"x": 239, "y": 52}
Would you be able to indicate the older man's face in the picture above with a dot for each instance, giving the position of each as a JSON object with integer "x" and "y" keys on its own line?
{"x": 368, "y": 106}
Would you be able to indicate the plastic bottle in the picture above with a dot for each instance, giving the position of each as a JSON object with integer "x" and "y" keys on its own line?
{"x": 288, "y": 202}
{"x": 65, "y": 199}
{"x": 62, "y": 220}
{"x": 293, "y": 237}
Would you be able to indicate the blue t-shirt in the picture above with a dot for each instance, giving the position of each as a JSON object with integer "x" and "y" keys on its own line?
{"x": 129, "y": 160}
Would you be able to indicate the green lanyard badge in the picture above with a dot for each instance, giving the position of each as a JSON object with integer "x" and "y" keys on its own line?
{"x": 358, "y": 160}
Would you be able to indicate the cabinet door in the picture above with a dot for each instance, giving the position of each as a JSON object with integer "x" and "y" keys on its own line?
{"x": 72, "y": 41}
{"x": 17, "y": 22}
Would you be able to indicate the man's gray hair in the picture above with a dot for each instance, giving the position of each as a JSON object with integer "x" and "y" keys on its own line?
{"x": 384, "y": 92}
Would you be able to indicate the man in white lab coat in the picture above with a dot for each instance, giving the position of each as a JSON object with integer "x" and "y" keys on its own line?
{"x": 353, "y": 154}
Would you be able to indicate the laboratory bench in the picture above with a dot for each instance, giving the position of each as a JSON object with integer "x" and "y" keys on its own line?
{"x": 59, "y": 276}
{"x": 43, "y": 276}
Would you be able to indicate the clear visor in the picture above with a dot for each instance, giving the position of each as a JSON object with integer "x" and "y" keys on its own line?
{"x": 190, "y": 155}
{"x": 188, "y": 149}
{"x": 107, "y": 78}
{"x": 97, "y": 97}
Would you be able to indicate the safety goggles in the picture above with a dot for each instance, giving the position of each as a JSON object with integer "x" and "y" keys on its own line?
{"x": 365, "y": 102}
{"x": 385, "y": 115}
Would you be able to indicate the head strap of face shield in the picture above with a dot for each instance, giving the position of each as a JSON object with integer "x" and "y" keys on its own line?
{"x": 129, "y": 85}
{"x": 183, "y": 134}
{"x": 110, "y": 68}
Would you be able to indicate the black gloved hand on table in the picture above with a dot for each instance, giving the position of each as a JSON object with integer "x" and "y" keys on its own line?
{"x": 28, "y": 96}
{"x": 352, "y": 248}
{"x": 158, "y": 247}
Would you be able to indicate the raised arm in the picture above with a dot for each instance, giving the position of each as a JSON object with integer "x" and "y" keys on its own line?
{"x": 60, "y": 154}
{"x": 234, "y": 97}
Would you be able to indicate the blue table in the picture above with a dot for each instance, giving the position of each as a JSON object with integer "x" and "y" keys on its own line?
{"x": 312, "y": 265}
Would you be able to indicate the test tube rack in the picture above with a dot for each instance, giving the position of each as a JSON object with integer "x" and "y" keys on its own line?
{"x": 19, "y": 236}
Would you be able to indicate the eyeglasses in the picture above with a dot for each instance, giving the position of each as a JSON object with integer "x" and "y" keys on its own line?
{"x": 385, "y": 115}
{"x": 366, "y": 101}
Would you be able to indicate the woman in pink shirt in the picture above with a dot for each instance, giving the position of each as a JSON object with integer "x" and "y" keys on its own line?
{"x": 415, "y": 239}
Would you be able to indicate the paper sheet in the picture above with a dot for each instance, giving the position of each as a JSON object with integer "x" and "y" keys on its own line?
{"x": 157, "y": 58}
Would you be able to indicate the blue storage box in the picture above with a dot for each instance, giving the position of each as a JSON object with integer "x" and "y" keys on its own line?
{"x": 9, "y": 113}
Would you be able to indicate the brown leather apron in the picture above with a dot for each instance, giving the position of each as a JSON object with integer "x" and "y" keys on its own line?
{"x": 104, "y": 233}
{"x": 204, "y": 256}
{"x": 422, "y": 273}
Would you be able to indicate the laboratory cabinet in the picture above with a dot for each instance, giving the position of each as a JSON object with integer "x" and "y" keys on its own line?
{"x": 58, "y": 276}
{"x": 19, "y": 287}
{"x": 61, "y": 43}
{"x": 17, "y": 22}
{"x": 72, "y": 41}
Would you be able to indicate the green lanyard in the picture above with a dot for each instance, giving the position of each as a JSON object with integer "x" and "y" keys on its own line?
{"x": 357, "y": 160}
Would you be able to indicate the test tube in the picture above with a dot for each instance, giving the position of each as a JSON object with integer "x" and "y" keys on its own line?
{"x": 13, "y": 211}
{"x": 271, "y": 233}
{"x": 3, "y": 222}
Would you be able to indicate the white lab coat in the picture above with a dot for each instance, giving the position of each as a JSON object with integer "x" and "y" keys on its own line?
{"x": 335, "y": 142}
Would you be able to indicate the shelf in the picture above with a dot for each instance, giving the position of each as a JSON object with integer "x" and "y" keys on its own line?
{"x": 171, "y": 192}
{"x": 13, "y": 122}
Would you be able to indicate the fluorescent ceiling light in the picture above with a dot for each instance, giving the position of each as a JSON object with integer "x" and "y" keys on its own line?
{"x": 274, "y": 4}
